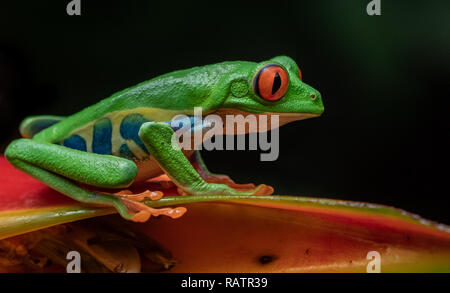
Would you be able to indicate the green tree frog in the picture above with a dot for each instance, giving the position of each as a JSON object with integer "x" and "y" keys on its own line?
{"x": 126, "y": 138}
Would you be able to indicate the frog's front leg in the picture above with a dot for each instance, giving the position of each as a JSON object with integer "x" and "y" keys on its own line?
{"x": 62, "y": 168}
{"x": 157, "y": 137}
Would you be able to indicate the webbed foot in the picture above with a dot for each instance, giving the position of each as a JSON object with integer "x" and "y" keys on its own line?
{"x": 261, "y": 189}
{"x": 214, "y": 189}
{"x": 139, "y": 212}
{"x": 224, "y": 179}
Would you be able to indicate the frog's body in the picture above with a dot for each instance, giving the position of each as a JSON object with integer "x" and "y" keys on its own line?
{"x": 117, "y": 134}
{"x": 124, "y": 132}
{"x": 111, "y": 126}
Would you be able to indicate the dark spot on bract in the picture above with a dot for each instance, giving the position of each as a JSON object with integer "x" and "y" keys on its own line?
{"x": 307, "y": 251}
{"x": 265, "y": 259}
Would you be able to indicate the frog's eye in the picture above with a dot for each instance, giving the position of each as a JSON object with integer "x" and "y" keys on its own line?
{"x": 271, "y": 82}
{"x": 299, "y": 73}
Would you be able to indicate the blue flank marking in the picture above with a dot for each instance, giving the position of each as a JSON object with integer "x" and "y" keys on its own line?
{"x": 181, "y": 122}
{"x": 75, "y": 142}
{"x": 129, "y": 129}
{"x": 125, "y": 152}
{"x": 101, "y": 142}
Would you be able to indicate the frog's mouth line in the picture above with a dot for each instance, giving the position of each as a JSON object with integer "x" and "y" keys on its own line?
{"x": 284, "y": 118}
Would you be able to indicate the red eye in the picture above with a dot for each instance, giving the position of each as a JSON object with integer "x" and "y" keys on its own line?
{"x": 299, "y": 73}
{"x": 271, "y": 82}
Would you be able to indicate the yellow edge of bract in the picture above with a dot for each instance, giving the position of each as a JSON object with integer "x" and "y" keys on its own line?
{"x": 16, "y": 222}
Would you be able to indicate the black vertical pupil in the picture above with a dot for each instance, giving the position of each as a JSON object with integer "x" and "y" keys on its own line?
{"x": 276, "y": 83}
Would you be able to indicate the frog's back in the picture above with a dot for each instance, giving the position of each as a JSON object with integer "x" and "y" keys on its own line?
{"x": 111, "y": 126}
{"x": 158, "y": 99}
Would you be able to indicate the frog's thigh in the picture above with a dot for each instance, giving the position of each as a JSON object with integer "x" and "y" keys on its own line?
{"x": 89, "y": 168}
{"x": 42, "y": 161}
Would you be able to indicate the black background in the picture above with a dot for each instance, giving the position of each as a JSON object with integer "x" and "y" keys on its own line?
{"x": 384, "y": 81}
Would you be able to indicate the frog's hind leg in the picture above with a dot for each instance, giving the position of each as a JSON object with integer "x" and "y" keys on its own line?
{"x": 60, "y": 167}
{"x": 34, "y": 124}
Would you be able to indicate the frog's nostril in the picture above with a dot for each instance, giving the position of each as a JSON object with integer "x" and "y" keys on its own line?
{"x": 313, "y": 96}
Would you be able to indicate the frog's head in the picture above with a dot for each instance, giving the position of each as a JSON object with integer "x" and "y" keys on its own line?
{"x": 271, "y": 87}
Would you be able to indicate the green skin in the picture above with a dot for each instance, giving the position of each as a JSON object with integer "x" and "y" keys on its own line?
{"x": 216, "y": 87}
